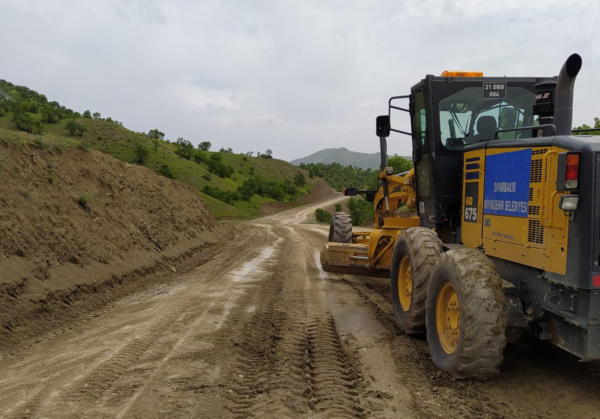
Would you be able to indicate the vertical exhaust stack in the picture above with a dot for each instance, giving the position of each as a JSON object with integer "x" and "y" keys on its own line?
{"x": 563, "y": 98}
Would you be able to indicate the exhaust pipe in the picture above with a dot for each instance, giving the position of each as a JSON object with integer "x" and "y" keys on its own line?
{"x": 554, "y": 99}
{"x": 563, "y": 102}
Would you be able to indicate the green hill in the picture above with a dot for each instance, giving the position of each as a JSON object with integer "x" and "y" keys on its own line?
{"x": 342, "y": 156}
{"x": 232, "y": 185}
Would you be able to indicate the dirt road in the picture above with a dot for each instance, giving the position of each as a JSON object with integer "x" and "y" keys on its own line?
{"x": 261, "y": 330}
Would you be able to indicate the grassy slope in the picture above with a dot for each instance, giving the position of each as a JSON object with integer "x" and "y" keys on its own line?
{"x": 119, "y": 142}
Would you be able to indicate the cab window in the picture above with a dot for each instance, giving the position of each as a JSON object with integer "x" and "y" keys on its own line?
{"x": 466, "y": 117}
{"x": 419, "y": 122}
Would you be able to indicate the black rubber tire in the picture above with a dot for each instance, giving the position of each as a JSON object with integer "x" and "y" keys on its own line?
{"x": 423, "y": 248}
{"x": 340, "y": 229}
{"x": 482, "y": 313}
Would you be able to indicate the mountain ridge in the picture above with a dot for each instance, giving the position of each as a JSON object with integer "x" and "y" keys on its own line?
{"x": 342, "y": 156}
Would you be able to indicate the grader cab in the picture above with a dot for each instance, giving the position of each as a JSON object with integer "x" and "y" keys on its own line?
{"x": 496, "y": 230}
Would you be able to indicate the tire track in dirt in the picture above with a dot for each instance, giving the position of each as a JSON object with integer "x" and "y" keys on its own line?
{"x": 289, "y": 359}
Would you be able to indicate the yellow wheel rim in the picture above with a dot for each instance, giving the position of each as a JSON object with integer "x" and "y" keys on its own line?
{"x": 404, "y": 284}
{"x": 447, "y": 318}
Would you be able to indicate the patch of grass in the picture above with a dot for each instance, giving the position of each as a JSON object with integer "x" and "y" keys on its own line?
{"x": 83, "y": 201}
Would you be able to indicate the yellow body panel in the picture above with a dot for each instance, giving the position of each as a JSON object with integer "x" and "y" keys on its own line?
{"x": 473, "y": 197}
{"x": 538, "y": 240}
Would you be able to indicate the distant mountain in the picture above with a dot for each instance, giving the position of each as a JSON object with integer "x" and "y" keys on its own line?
{"x": 342, "y": 156}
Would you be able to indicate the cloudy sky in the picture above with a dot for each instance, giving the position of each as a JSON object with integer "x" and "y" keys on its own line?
{"x": 291, "y": 76}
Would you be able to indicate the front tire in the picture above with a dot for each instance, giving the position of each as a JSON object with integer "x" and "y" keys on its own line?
{"x": 416, "y": 252}
{"x": 466, "y": 315}
{"x": 340, "y": 229}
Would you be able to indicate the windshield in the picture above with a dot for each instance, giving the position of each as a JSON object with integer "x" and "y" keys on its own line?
{"x": 469, "y": 116}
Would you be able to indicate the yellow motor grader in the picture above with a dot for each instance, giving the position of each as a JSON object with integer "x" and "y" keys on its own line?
{"x": 505, "y": 231}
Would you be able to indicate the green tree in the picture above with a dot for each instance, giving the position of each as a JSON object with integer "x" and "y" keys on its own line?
{"x": 586, "y": 126}
{"x": 185, "y": 149}
{"x": 204, "y": 146}
{"x": 27, "y": 122}
{"x": 97, "y": 115}
{"x": 360, "y": 211}
{"x": 140, "y": 152}
{"x": 156, "y": 134}
{"x": 87, "y": 114}
{"x": 400, "y": 164}
{"x": 299, "y": 179}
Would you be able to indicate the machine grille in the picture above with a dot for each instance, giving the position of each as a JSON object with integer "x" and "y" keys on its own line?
{"x": 536, "y": 170}
{"x": 536, "y": 232}
{"x": 534, "y": 210}
{"x": 540, "y": 151}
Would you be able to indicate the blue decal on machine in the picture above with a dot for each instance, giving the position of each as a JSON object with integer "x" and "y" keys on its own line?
{"x": 506, "y": 187}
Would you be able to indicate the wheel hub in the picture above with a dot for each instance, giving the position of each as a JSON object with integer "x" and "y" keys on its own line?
{"x": 447, "y": 314}
{"x": 404, "y": 284}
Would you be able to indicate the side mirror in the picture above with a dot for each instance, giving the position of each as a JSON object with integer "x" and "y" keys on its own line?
{"x": 383, "y": 126}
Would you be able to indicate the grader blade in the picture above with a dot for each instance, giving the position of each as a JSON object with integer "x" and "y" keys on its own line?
{"x": 348, "y": 258}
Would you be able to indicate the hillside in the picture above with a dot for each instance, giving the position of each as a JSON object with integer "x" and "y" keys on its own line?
{"x": 232, "y": 185}
{"x": 342, "y": 156}
{"x": 77, "y": 223}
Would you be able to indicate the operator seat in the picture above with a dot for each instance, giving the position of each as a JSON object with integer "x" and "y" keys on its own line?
{"x": 486, "y": 128}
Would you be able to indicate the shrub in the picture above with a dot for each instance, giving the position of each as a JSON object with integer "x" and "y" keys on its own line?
{"x": 360, "y": 211}
{"x": 216, "y": 166}
{"x": 338, "y": 207}
{"x": 225, "y": 196}
{"x": 165, "y": 171}
{"x": 278, "y": 191}
{"x": 200, "y": 157}
{"x": 299, "y": 179}
{"x": 140, "y": 152}
{"x": 322, "y": 216}
{"x": 74, "y": 128}
{"x": 26, "y": 122}
{"x": 185, "y": 149}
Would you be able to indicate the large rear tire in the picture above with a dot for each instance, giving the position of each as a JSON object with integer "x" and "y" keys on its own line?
{"x": 466, "y": 315}
{"x": 416, "y": 252}
{"x": 340, "y": 229}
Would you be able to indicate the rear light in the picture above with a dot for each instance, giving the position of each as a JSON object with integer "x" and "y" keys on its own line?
{"x": 572, "y": 171}
{"x": 596, "y": 281}
{"x": 568, "y": 202}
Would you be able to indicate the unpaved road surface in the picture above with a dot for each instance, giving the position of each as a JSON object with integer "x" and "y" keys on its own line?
{"x": 261, "y": 330}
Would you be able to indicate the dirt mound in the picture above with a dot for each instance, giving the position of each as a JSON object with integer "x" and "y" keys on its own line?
{"x": 75, "y": 221}
{"x": 319, "y": 191}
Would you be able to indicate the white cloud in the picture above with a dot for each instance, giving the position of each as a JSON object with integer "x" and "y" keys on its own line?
{"x": 293, "y": 76}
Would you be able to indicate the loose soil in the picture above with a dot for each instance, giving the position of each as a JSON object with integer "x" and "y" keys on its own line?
{"x": 259, "y": 330}
{"x": 79, "y": 224}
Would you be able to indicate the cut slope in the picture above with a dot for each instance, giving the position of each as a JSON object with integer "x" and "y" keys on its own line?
{"x": 73, "y": 221}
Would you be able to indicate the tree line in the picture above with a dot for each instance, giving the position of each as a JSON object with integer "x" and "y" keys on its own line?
{"x": 339, "y": 177}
